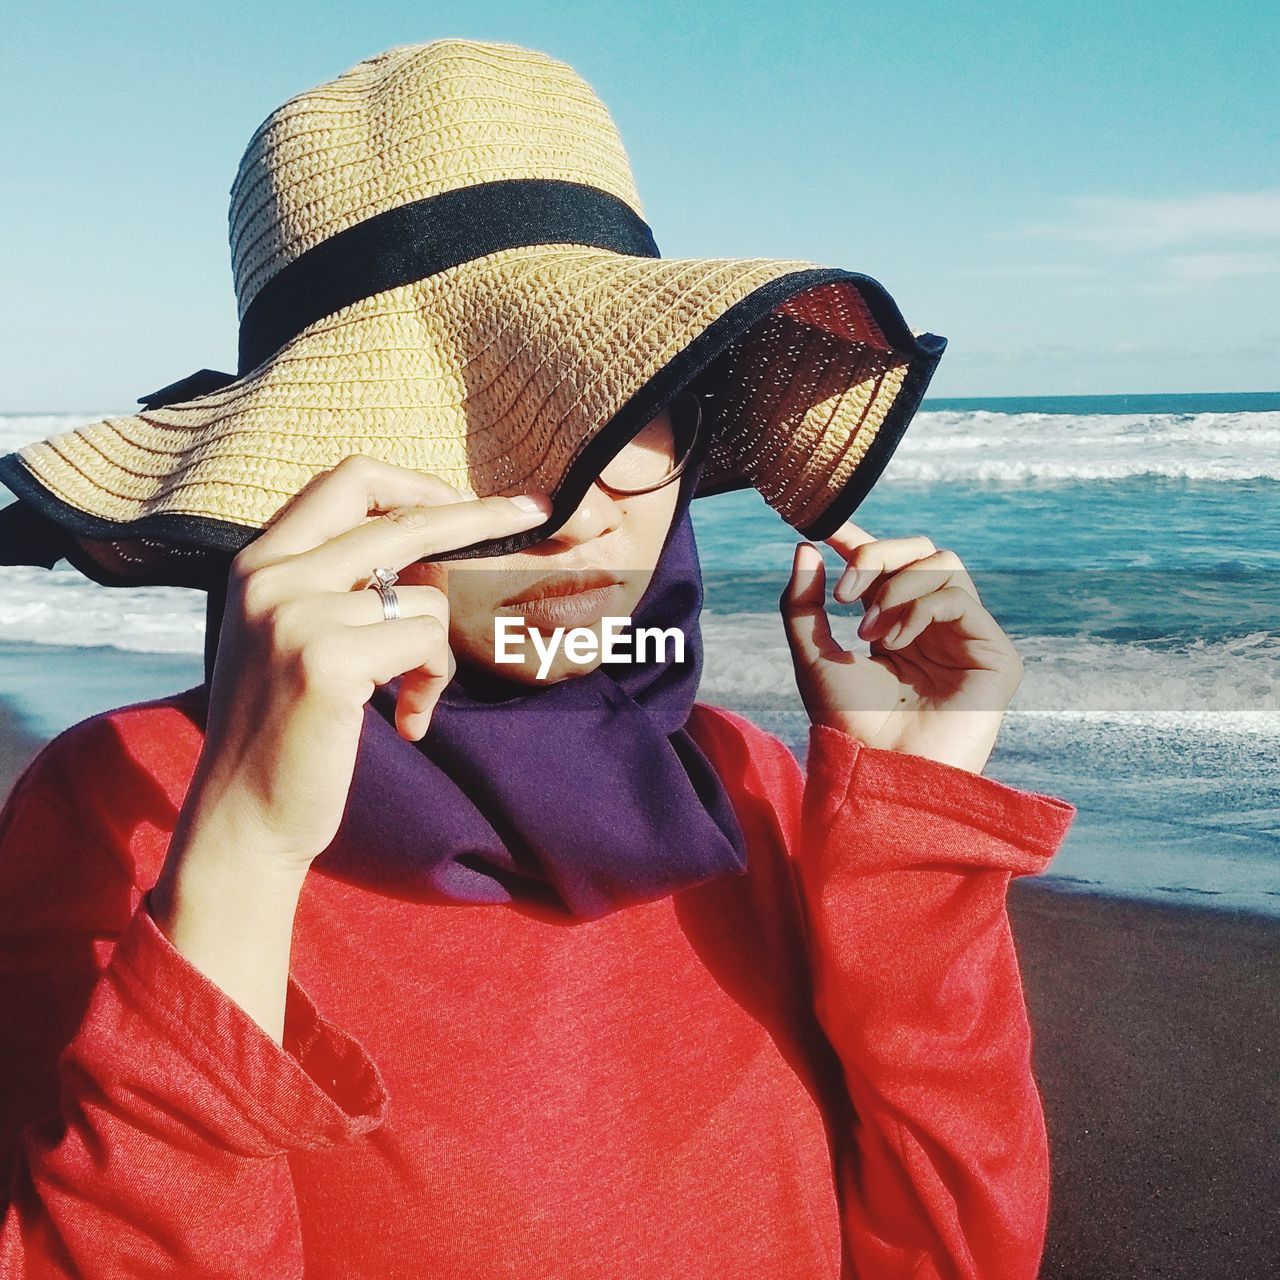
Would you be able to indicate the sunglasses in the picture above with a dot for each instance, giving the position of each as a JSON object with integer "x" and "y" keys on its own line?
{"x": 657, "y": 454}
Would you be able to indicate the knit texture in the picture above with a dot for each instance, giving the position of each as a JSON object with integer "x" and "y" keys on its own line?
{"x": 819, "y": 1070}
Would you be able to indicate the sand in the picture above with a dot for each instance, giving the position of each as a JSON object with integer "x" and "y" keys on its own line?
{"x": 1156, "y": 1032}
{"x": 18, "y": 745}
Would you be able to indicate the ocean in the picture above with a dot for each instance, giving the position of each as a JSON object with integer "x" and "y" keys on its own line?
{"x": 1128, "y": 544}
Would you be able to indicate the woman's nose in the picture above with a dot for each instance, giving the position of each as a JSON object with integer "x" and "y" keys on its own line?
{"x": 597, "y": 514}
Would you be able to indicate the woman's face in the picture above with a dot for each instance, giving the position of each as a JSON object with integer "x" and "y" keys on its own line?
{"x": 606, "y": 552}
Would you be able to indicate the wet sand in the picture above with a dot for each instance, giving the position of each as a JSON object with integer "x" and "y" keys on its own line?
{"x": 1155, "y": 1044}
{"x": 1155, "y": 1033}
{"x": 18, "y": 746}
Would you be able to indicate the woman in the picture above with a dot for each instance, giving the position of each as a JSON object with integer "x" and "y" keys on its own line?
{"x": 381, "y": 955}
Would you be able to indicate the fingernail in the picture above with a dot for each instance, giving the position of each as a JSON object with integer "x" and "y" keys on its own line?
{"x": 852, "y": 584}
{"x": 532, "y": 504}
{"x": 869, "y": 619}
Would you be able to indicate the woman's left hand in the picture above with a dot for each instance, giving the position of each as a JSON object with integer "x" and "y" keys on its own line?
{"x": 941, "y": 672}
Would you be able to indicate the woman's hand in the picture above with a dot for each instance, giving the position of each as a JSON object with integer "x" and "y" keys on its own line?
{"x": 941, "y": 672}
{"x": 302, "y": 649}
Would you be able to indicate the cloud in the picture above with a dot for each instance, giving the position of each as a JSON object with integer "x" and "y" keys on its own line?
{"x": 1126, "y": 223}
{"x": 1208, "y": 267}
{"x": 1033, "y": 271}
{"x": 1125, "y": 352}
{"x": 1196, "y": 272}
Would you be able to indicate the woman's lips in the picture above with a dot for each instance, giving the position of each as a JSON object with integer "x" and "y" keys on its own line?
{"x": 580, "y": 609}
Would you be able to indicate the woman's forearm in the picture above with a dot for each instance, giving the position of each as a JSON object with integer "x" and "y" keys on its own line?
{"x": 163, "y": 1141}
{"x": 229, "y": 909}
{"x": 904, "y": 864}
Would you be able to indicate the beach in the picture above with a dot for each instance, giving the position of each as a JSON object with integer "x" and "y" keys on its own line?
{"x": 1154, "y": 1031}
{"x": 1154, "y": 1044}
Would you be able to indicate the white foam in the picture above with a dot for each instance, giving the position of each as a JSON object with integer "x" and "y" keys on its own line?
{"x": 1223, "y": 686}
{"x": 61, "y": 606}
{"x": 989, "y": 448}
{"x": 982, "y": 447}
{"x": 1230, "y": 685}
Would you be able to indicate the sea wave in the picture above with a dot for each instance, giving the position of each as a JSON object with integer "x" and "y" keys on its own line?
{"x": 61, "y": 606}
{"x": 1232, "y": 681}
{"x": 988, "y": 448}
{"x": 1229, "y": 685}
{"x": 983, "y": 447}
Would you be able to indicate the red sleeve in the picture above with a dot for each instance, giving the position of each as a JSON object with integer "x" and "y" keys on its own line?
{"x": 145, "y": 1117}
{"x": 904, "y": 866}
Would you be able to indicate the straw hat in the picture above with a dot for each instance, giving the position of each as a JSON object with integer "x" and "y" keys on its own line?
{"x": 441, "y": 260}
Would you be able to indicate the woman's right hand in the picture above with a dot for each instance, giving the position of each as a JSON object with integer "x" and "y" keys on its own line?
{"x": 302, "y": 649}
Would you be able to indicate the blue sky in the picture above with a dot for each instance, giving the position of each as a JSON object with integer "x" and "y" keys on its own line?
{"x": 1082, "y": 197}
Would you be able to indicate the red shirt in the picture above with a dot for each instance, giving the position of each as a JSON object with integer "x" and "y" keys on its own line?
{"x": 818, "y": 1069}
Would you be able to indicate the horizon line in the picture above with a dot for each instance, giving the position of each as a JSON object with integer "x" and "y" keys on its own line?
{"x": 1039, "y": 395}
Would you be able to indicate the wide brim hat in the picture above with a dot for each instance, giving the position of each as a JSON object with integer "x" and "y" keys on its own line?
{"x": 441, "y": 260}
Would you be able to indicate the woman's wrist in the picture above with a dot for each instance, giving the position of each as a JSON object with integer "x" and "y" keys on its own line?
{"x": 214, "y": 861}
{"x": 969, "y": 750}
{"x": 229, "y": 908}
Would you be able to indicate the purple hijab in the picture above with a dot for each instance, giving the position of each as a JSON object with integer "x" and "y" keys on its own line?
{"x": 583, "y": 796}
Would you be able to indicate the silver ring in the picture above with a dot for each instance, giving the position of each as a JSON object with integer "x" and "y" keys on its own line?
{"x": 382, "y": 582}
